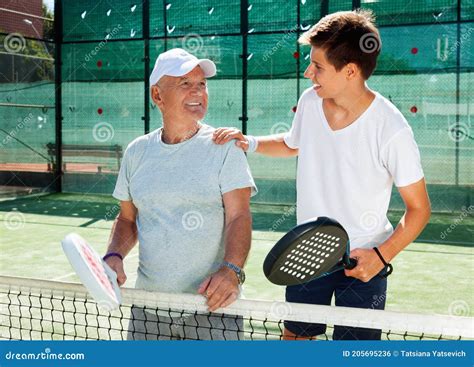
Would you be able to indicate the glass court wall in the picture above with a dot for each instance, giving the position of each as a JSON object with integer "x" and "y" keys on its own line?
{"x": 72, "y": 98}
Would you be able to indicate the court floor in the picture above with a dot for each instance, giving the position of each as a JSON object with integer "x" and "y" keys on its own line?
{"x": 427, "y": 278}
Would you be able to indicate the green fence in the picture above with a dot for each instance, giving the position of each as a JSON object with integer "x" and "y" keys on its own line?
{"x": 107, "y": 48}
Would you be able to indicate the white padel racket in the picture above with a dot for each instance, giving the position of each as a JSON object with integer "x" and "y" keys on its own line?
{"x": 99, "y": 279}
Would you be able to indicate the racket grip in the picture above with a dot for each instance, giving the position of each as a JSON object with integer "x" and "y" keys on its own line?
{"x": 352, "y": 263}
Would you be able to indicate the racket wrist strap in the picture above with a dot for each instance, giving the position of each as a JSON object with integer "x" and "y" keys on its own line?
{"x": 387, "y": 265}
{"x": 253, "y": 143}
{"x": 110, "y": 254}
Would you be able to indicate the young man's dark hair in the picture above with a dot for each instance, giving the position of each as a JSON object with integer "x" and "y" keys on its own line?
{"x": 347, "y": 36}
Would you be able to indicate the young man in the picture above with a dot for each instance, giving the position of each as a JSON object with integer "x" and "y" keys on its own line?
{"x": 352, "y": 145}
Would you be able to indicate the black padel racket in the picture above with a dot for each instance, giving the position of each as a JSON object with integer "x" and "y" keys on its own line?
{"x": 309, "y": 251}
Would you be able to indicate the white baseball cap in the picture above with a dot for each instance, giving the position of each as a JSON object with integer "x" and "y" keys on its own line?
{"x": 178, "y": 62}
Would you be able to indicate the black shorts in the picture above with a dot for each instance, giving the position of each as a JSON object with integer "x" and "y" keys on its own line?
{"x": 349, "y": 292}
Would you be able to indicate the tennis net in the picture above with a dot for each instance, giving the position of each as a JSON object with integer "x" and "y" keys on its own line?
{"x": 44, "y": 310}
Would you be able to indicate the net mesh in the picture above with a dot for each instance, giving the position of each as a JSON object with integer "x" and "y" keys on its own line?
{"x": 36, "y": 309}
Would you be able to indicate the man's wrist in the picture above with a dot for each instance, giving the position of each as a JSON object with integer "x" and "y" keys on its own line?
{"x": 386, "y": 263}
{"x": 238, "y": 271}
{"x": 386, "y": 251}
{"x": 229, "y": 271}
{"x": 112, "y": 254}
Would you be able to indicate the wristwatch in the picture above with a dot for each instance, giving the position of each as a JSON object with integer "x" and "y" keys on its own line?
{"x": 238, "y": 271}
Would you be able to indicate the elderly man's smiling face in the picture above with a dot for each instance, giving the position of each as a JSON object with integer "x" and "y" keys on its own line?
{"x": 182, "y": 98}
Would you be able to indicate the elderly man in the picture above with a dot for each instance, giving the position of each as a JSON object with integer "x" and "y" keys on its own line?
{"x": 186, "y": 201}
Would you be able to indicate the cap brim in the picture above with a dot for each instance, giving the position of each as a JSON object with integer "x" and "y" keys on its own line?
{"x": 208, "y": 67}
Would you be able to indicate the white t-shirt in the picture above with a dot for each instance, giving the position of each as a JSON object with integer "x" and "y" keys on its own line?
{"x": 348, "y": 174}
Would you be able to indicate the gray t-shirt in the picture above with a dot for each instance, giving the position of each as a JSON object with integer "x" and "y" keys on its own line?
{"x": 177, "y": 189}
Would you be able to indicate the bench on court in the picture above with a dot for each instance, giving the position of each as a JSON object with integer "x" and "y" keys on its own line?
{"x": 81, "y": 150}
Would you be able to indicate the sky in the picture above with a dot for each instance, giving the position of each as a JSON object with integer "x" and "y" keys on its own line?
{"x": 49, "y": 4}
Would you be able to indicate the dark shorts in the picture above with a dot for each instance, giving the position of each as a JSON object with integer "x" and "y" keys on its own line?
{"x": 348, "y": 292}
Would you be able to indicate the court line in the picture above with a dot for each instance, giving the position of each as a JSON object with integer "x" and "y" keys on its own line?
{"x": 62, "y": 277}
{"x": 88, "y": 223}
{"x": 56, "y": 224}
{"x": 445, "y": 147}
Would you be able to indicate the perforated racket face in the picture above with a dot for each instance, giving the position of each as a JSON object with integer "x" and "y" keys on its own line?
{"x": 306, "y": 252}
